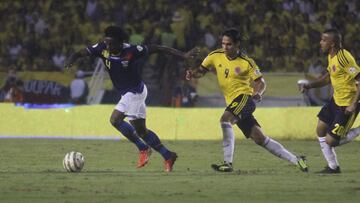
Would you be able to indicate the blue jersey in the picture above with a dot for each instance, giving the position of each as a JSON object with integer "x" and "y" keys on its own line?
{"x": 124, "y": 69}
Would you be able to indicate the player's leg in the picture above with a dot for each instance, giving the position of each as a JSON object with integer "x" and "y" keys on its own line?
{"x": 226, "y": 121}
{"x": 241, "y": 106}
{"x": 326, "y": 117}
{"x": 130, "y": 104}
{"x": 327, "y": 150}
{"x": 117, "y": 120}
{"x": 150, "y": 137}
{"x": 352, "y": 133}
{"x": 337, "y": 131}
{"x": 350, "y": 136}
{"x": 137, "y": 116}
{"x": 154, "y": 141}
{"x": 272, "y": 145}
{"x": 276, "y": 148}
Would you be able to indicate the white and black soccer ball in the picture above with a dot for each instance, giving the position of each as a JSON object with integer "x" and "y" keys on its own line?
{"x": 73, "y": 161}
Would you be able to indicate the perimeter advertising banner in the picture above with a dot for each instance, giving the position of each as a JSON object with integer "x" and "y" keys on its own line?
{"x": 45, "y": 92}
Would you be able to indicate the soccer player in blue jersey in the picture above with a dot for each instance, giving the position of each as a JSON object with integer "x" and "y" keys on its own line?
{"x": 123, "y": 62}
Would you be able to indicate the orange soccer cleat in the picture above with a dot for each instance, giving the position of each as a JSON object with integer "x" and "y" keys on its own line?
{"x": 170, "y": 162}
{"x": 144, "y": 156}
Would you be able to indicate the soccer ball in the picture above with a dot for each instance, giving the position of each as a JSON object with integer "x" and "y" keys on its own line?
{"x": 73, "y": 161}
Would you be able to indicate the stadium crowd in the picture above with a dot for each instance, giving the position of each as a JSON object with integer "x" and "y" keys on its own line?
{"x": 282, "y": 35}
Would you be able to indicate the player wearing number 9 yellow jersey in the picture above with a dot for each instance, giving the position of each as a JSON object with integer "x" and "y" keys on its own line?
{"x": 338, "y": 115}
{"x": 235, "y": 73}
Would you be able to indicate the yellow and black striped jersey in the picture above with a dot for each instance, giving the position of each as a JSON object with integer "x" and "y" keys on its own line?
{"x": 234, "y": 75}
{"x": 343, "y": 69}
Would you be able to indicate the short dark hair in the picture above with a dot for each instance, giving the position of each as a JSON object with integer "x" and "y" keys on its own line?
{"x": 116, "y": 32}
{"x": 337, "y": 38}
{"x": 233, "y": 34}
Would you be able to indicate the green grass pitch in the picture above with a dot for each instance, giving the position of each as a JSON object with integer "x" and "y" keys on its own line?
{"x": 31, "y": 171}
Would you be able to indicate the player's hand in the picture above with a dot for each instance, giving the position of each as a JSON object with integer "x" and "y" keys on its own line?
{"x": 350, "y": 109}
{"x": 192, "y": 53}
{"x": 189, "y": 74}
{"x": 303, "y": 85}
{"x": 303, "y": 88}
{"x": 257, "y": 97}
{"x": 68, "y": 66}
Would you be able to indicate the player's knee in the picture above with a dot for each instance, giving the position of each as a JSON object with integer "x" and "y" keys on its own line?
{"x": 223, "y": 119}
{"x": 227, "y": 117}
{"x": 115, "y": 121}
{"x": 141, "y": 131}
{"x": 259, "y": 139}
{"x": 332, "y": 142}
{"x": 257, "y": 135}
{"x": 320, "y": 132}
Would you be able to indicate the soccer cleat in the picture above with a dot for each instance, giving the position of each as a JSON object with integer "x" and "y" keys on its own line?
{"x": 328, "y": 170}
{"x": 225, "y": 167}
{"x": 144, "y": 156}
{"x": 170, "y": 162}
{"x": 301, "y": 163}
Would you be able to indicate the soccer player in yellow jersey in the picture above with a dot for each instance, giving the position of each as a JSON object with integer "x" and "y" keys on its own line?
{"x": 338, "y": 115}
{"x": 235, "y": 72}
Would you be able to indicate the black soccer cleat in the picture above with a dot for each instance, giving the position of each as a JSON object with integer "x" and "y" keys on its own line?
{"x": 328, "y": 170}
{"x": 225, "y": 167}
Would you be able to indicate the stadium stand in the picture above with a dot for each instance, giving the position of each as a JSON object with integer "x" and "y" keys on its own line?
{"x": 281, "y": 35}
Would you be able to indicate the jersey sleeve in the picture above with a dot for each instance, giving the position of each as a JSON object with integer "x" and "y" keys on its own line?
{"x": 208, "y": 62}
{"x": 349, "y": 63}
{"x": 96, "y": 49}
{"x": 254, "y": 70}
{"x": 140, "y": 51}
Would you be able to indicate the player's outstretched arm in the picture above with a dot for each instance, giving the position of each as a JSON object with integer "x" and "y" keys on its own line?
{"x": 195, "y": 73}
{"x": 320, "y": 82}
{"x": 75, "y": 56}
{"x": 168, "y": 50}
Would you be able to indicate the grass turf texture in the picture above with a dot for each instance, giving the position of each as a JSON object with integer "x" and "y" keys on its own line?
{"x": 31, "y": 171}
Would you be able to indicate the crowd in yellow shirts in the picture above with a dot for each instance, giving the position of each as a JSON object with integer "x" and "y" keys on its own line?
{"x": 281, "y": 35}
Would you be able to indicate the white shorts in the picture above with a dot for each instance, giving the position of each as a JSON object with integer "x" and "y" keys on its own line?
{"x": 133, "y": 105}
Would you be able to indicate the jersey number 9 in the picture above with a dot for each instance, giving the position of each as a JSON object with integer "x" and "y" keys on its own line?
{"x": 226, "y": 73}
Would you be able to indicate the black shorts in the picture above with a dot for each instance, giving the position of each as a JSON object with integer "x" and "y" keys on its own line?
{"x": 243, "y": 107}
{"x": 334, "y": 116}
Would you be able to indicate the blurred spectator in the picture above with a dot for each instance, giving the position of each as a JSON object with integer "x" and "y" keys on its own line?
{"x": 209, "y": 38}
{"x": 40, "y": 25}
{"x": 58, "y": 59}
{"x": 317, "y": 96}
{"x": 167, "y": 37}
{"x": 178, "y": 27}
{"x": 14, "y": 48}
{"x": 91, "y": 9}
{"x": 184, "y": 94}
{"x": 79, "y": 89}
{"x": 13, "y": 88}
{"x": 288, "y": 5}
{"x": 136, "y": 37}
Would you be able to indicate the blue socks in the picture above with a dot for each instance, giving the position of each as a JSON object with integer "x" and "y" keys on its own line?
{"x": 153, "y": 140}
{"x": 129, "y": 132}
